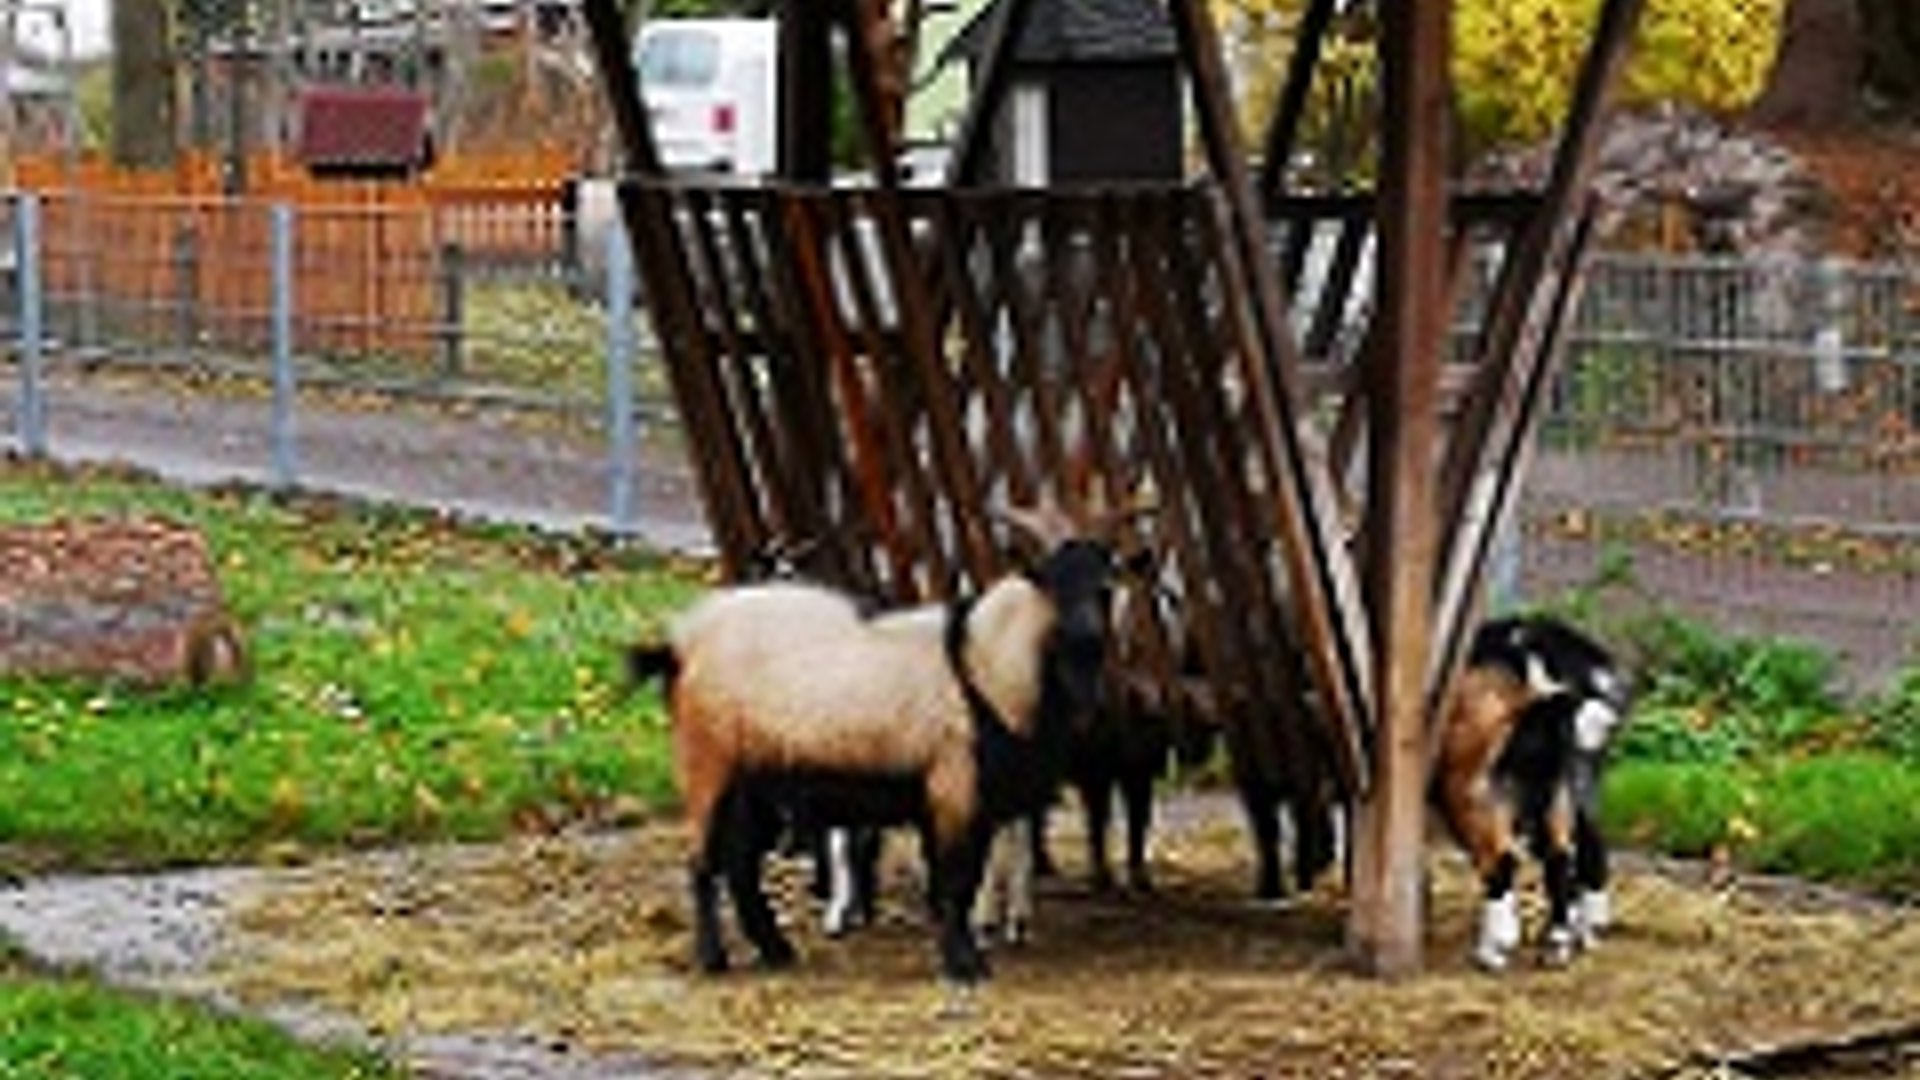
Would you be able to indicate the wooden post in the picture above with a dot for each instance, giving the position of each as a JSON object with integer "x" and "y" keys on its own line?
{"x": 806, "y": 91}
{"x": 1386, "y": 916}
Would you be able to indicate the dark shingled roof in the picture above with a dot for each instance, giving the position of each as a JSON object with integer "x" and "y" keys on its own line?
{"x": 1076, "y": 30}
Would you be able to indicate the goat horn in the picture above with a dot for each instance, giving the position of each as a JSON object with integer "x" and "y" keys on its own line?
{"x": 1105, "y": 524}
{"x": 1045, "y": 525}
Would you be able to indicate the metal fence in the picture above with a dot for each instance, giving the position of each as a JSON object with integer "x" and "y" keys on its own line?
{"x": 514, "y": 391}
{"x": 1739, "y": 440}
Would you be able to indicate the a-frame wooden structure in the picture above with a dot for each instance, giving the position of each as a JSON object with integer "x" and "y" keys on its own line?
{"x": 862, "y": 370}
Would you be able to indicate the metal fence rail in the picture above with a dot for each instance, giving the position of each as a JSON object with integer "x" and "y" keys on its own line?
{"x": 1744, "y": 437}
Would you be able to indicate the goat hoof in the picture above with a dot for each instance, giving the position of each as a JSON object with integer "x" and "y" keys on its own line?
{"x": 1558, "y": 949}
{"x": 1490, "y": 959}
{"x": 1140, "y": 883}
{"x": 777, "y": 954}
{"x": 711, "y": 963}
{"x": 964, "y": 967}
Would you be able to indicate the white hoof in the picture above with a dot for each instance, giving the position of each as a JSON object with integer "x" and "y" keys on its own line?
{"x": 1016, "y": 931}
{"x": 1499, "y": 932}
{"x": 1559, "y": 947}
{"x": 1593, "y": 914}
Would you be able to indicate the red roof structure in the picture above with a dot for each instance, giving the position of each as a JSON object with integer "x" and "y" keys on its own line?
{"x": 363, "y": 131}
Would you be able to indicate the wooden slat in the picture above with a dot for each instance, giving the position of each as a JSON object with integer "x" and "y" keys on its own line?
{"x": 1138, "y": 287}
{"x": 960, "y": 221}
{"x": 1516, "y": 319}
{"x": 1323, "y": 586}
{"x": 922, "y": 341}
{"x": 736, "y": 364}
{"x": 902, "y": 401}
{"x": 1284, "y": 131}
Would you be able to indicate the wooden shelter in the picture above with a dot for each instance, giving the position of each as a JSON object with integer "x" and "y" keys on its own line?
{"x": 867, "y": 367}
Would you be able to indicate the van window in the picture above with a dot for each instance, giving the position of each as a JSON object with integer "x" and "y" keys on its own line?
{"x": 679, "y": 58}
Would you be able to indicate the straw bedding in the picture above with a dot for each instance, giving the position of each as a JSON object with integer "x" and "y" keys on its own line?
{"x": 584, "y": 941}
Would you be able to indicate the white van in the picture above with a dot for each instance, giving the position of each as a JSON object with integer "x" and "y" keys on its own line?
{"x": 710, "y": 87}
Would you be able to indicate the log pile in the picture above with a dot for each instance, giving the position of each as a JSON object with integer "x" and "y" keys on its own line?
{"x": 126, "y": 600}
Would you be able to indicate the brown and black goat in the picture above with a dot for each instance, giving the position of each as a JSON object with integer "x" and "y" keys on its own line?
{"x": 1523, "y": 743}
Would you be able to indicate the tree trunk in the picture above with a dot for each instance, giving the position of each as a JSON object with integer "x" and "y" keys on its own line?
{"x": 143, "y": 90}
{"x": 1816, "y": 76}
{"x": 1890, "y": 71}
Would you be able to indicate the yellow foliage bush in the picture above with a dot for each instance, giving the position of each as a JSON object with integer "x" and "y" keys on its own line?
{"x": 1514, "y": 61}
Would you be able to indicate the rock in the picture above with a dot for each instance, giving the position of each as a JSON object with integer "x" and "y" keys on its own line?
{"x": 130, "y": 600}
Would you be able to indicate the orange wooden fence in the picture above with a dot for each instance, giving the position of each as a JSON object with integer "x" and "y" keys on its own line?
{"x": 165, "y": 245}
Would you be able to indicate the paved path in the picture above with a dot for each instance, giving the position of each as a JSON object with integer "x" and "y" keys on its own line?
{"x": 491, "y": 462}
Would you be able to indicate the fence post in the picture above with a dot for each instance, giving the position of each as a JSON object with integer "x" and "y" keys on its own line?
{"x": 186, "y": 285}
{"x": 26, "y": 261}
{"x": 453, "y": 307}
{"x": 623, "y": 436}
{"x": 286, "y": 472}
{"x": 1829, "y": 336}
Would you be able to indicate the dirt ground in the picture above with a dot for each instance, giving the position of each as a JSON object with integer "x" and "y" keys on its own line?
{"x": 582, "y": 943}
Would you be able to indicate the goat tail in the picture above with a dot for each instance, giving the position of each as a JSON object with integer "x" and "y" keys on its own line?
{"x": 648, "y": 662}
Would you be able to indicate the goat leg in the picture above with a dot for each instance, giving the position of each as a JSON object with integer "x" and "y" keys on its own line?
{"x": 959, "y": 870}
{"x": 743, "y": 850}
{"x": 1262, "y": 806}
{"x": 1136, "y": 792}
{"x": 1595, "y": 911}
{"x": 1096, "y": 799}
{"x": 709, "y": 953}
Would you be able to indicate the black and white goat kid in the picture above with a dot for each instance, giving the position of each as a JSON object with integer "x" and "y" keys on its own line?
{"x": 849, "y": 725}
{"x": 1523, "y": 744}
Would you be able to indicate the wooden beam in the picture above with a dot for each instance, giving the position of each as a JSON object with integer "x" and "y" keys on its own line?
{"x": 721, "y": 470}
{"x": 1516, "y": 322}
{"x": 989, "y": 90}
{"x": 1284, "y": 130}
{"x": 1319, "y": 568}
{"x": 1386, "y": 915}
{"x": 864, "y": 23}
{"x": 806, "y": 91}
{"x": 613, "y": 49}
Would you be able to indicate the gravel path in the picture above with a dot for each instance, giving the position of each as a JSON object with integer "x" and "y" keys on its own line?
{"x": 160, "y": 933}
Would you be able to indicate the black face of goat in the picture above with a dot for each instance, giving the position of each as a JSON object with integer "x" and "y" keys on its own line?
{"x": 1078, "y": 577}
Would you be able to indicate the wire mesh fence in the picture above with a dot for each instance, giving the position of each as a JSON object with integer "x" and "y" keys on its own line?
{"x": 1738, "y": 440}
{"x": 1741, "y": 441}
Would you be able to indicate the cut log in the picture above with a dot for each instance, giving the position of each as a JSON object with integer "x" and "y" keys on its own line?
{"x": 125, "y": 600}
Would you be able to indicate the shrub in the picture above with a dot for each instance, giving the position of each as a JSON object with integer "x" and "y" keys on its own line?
{"x": 1841, "y": 816}
{"x": 1710, "y": 697}
{"x": 1683, "y": 809}
{"x": 1893, "y": 717}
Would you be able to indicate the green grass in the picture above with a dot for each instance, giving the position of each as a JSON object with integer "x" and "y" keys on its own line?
{"x": 54, "y": 1027}
{"x": 413, "y": 678}
{"x": 1849, "y": 817}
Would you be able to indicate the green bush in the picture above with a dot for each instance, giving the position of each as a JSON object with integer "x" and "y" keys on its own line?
{"x": 1851, "y": 817}
{"x": 1685, "y": 809}
{"x": 1854, "y": 817}
{"x": 1893, "y": 717}
{"x": 1711, "y": 697}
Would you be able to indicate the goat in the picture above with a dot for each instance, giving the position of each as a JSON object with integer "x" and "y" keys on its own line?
{"x": 1522, "y": 746}
{"x": 872, "y": 727}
